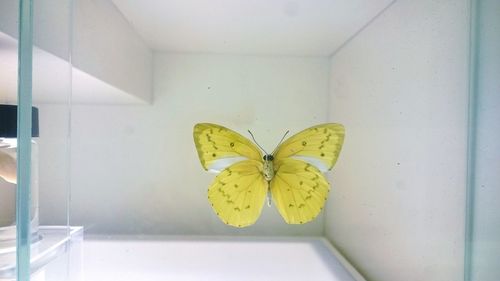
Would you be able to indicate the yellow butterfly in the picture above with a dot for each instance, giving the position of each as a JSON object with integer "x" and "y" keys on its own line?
{"x": 292, "y": 173}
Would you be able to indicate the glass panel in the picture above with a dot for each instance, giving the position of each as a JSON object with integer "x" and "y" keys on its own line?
{"x": 9, "y": 55}
{"x": 483, "y": 241}
{"x": 16, "y": 150}
{"x": 52, "y": 91}
{"x": 40, "y": 151}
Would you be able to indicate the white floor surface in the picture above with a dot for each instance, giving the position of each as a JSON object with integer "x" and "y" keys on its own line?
{"x": 190, "y": 259}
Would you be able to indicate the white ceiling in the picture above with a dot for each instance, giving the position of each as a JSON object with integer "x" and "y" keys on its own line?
{"x": 249, "y": 27}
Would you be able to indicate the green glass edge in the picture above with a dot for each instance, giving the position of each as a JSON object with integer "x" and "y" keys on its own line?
{"x": 71, "y": 12}
{"x": 24, "y": 92}
{"x": 471, "y": 137}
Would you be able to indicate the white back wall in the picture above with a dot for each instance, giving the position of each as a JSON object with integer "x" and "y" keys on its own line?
{"x": 400, "y": 88}
{"x": 135, "y": 168}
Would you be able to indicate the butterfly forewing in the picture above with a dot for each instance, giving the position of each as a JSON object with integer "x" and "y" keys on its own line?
{"x": 319, "y": 145}
{"x": 219, "y": 147}
{"x": 238, "y": 193}
{"x": 299, "y": 191}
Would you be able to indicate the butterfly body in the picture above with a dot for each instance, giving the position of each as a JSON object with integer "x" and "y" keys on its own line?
{"x": 291, "y": 175}
{"x": 268, "y": 169}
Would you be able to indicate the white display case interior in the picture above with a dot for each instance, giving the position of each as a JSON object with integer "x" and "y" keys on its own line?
{"x": 120, "y": 84}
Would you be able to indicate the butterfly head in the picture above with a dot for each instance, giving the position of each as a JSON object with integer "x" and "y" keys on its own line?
{"x": 268, "y": 157}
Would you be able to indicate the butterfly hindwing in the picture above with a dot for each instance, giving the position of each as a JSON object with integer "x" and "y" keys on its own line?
{"x": 299, "y": 191}
{"x": 319, "y": 145}
{"x": 219, "y": 147}
{"x": 238, "y": 193}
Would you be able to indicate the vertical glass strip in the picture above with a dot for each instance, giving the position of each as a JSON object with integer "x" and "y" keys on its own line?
{"x": 24, "y": 139}
{"x": 71, "y": 12}
{"x": 471, "y": 138}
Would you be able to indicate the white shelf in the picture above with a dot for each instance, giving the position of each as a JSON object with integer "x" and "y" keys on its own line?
{"x": 110, "y": 62}
{"x": 54, "y": 79}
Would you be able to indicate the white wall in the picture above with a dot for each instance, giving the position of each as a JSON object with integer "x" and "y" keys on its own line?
{"x": 135, "y": 168}
{"x": 400, "y": 88}
{"x": 486, "y": 211}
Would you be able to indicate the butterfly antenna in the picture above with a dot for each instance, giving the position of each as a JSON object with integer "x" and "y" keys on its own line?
{"x": 280, "y": 142}
{"x": 257, "y": 143}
